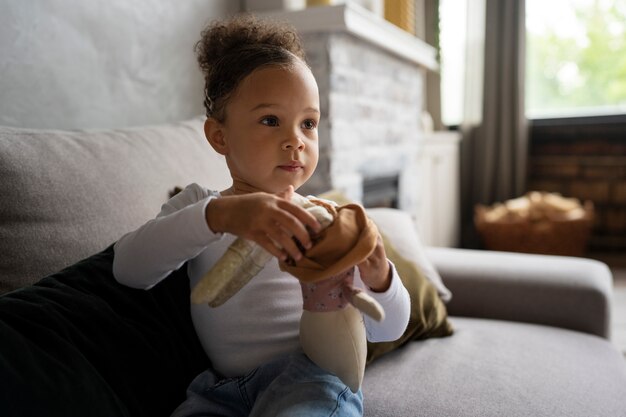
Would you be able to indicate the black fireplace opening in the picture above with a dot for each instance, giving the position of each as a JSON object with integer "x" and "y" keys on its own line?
{"x": 381, "y": 191}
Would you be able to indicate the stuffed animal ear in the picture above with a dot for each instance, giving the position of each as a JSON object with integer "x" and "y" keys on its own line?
{"x": 215, "y": 135}
{"x": 241, "y": 262}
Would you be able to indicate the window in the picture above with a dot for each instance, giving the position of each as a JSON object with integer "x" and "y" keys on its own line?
{"x": 575, "y": 58}
{"x": 452, "y": 27}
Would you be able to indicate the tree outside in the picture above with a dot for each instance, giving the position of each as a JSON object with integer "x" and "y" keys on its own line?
{"x": 576, "y": 57}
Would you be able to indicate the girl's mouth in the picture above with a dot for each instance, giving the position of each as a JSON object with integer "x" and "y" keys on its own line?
{"x": 291, "y": 167}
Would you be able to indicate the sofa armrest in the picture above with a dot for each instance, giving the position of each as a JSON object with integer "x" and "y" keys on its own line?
{"x": 568, "y": 292}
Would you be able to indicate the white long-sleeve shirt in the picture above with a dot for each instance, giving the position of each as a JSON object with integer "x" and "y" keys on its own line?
{"x": 261, "y": 321}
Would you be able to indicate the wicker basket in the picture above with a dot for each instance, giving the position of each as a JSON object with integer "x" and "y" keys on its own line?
{"x": 551, "y": 236}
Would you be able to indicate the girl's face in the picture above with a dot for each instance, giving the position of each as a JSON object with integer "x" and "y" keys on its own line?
{"x": 270, "y": 132}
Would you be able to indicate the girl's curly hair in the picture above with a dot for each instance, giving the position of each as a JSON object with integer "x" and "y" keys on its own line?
{"x": 230, "y": 50}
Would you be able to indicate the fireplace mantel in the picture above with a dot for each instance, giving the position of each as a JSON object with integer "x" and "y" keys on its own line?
{"x": 362, "y": 23}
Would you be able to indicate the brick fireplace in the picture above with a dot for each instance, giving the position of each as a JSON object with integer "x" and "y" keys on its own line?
{"x": 371, "y": 76}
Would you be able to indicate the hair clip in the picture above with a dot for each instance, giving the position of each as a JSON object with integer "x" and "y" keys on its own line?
{"x": 208, "y": 103}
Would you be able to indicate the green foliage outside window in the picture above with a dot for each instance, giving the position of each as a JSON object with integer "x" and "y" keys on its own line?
{"x": 580, "y": 71}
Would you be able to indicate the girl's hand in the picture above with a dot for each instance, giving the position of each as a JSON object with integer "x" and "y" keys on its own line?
{"x": 375, "y": 270}
{"x": 270, "y": 220}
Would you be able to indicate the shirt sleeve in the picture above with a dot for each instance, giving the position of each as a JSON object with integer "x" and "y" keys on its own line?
{"x": 179, "y": 232}
{"x": 397, "y": 305}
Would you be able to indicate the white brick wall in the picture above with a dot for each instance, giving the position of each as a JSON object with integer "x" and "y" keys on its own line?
{"x": 371, "y": 103}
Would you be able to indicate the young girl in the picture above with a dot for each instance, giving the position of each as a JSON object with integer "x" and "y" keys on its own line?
{"x": 262, "y": 107}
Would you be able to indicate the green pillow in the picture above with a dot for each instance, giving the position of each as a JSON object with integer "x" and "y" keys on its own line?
{"x": 429, "y": 317}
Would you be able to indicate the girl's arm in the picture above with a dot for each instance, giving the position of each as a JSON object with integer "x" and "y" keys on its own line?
{"x": 397, "y": 305}
{"x": 179, "y": 233}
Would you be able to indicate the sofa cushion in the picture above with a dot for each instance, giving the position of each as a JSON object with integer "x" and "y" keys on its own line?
{"x": 79, "y": 344}
{"x": 69, "y": 194}
{"x": 493, "y": 368}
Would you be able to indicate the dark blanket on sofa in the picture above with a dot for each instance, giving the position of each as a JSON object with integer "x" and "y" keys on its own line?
{"x": 77, "y": 343}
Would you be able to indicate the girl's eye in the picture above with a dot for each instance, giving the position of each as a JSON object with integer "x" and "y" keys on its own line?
{"x": 271, "y": 121}
{"x": 309, "y": 124}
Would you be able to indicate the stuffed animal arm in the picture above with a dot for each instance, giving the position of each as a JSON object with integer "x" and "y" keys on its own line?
{"x": 242, "y": 261}
{"x": 332, "y": 333}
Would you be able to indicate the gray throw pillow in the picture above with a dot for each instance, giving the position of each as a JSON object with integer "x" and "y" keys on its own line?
{"x": 69, "y": 194}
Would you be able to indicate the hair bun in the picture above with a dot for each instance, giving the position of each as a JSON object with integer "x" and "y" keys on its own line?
{"x": 230, "y": 50}
{"x": 241, "y": 32}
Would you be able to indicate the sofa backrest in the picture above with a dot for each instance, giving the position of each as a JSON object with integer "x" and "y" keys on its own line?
{"x": 68, "y": 194}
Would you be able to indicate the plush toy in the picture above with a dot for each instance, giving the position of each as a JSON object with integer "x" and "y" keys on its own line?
{"x": 332, "y": 333}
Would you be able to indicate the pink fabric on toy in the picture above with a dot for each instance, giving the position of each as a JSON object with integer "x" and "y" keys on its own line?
{"x": 330, "y": 294}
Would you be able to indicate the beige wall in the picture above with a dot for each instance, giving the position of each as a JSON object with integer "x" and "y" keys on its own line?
{"x": 83, "y": 64}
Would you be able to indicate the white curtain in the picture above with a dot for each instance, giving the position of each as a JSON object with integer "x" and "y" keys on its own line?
{"x": 494, "y": 146}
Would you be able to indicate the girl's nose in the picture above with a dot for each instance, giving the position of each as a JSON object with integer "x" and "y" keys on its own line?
{"x": 293, "y": 142}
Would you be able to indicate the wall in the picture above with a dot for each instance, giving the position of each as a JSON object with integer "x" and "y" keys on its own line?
{"x": 83, "y": 64}
{"x": 586, "y": 161}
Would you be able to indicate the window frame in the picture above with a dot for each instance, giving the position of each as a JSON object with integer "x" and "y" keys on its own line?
{"x": 579, "y": 128}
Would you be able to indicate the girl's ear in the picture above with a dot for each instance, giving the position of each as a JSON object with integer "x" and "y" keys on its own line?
{"x": 214, "y": 132}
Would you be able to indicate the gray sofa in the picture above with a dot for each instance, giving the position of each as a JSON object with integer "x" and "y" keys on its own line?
{"x": 531, "y": 332}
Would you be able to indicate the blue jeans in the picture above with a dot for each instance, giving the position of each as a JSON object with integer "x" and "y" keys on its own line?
{"x": 288, "y": 387}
